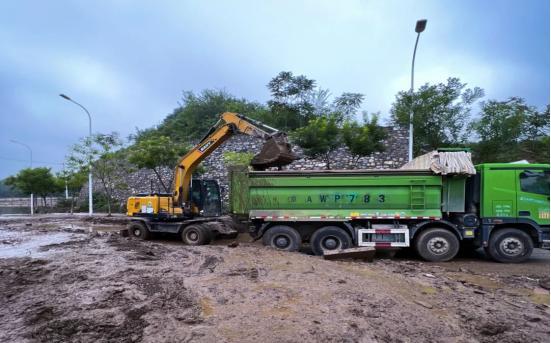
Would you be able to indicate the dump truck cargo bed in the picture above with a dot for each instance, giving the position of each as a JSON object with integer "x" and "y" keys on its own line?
{"x": 339, "y": 195}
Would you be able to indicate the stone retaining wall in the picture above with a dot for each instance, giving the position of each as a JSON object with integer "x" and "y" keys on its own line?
{"x": 394, "y": 156}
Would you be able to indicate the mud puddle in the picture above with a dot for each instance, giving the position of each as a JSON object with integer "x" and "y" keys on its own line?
{"x": 31, "y": 243}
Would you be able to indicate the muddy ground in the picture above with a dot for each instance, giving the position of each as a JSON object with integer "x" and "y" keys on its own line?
{"x": 69, "y": 279}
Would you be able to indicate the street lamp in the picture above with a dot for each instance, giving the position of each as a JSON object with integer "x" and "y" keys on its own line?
{"x": 90, "y": 208}
{"x": 31, "y": 155}
{"x": 419, "y": 27}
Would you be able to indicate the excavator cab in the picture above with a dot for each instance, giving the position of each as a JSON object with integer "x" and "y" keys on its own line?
{"x": 205, "y": 198}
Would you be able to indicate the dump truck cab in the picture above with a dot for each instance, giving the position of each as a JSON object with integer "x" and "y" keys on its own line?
{"x": 513, "y": 205}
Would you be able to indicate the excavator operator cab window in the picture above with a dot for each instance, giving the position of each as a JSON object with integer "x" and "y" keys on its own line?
{"x": 211, "y": 203}
{"x": 205, "y": 196}
{"x": 196, "y": 193}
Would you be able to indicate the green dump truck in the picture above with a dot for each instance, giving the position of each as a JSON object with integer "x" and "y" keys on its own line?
{"x": 502, "y": 207}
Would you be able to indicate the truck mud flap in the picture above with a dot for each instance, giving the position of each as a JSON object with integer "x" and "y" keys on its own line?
{"x": 366, "y": 253}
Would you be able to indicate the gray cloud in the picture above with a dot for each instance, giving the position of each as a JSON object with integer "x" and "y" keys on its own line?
{"x": 129, "y": 61}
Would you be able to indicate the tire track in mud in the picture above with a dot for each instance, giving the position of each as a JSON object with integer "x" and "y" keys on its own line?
{"x": 114, "y": 289}
{"x": 93, "y": 307}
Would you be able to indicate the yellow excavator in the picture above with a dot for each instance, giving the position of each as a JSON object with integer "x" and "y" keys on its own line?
{"x": 194, "y": 209}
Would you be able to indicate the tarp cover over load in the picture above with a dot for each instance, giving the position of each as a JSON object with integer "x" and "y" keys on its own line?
{"x": 443, "y": 162}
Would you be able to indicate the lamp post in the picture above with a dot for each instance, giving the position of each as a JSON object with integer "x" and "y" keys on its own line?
{"x": 65, "y": 177}
{"x": 31, "y": 164}
{"x": 419, "y": 27}
{"x": 90, "y": 208}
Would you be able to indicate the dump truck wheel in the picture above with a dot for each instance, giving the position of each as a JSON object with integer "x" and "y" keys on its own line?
{"x": 437, "y": 245}
{"x": 195, "y": 235}
{"x": 138, "y": 230}
{"x": 282, "y": 237}
{"x": 510, "y": 246}
{"x": 329, "y": 238}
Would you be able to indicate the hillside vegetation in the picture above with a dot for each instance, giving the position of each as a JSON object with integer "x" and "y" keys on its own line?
{"x": 446, "y": 114}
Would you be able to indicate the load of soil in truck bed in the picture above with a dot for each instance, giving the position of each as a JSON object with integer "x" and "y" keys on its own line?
{"x": 67, "y": 279}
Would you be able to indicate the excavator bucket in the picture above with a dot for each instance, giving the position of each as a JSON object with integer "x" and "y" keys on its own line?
{"x": 276, "y": 152}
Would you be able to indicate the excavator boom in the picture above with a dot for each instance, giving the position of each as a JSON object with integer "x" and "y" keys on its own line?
{"x": 197, "y": 217}
{"x": 276, "y": 151}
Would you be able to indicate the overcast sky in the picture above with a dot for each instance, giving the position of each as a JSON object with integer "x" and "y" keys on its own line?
{"x": 128, "y": 61}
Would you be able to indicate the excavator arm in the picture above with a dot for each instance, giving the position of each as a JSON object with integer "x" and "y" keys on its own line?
{"x": 275, "y": 152}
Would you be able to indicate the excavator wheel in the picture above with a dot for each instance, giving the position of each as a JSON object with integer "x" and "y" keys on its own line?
{"x": 196, "y": 235}
{"x": 138, "y": 230}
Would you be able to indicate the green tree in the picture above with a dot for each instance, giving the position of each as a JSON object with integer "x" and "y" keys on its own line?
{"x": 536, "y": 124}
{"x": 197, "y": 113}
{"x": 440, "y": 113}
{"x": 319, "y": 99}
{"x": 347, "y": 104}
{"x": 297, "y": 99}
{"x": 535, "y": 136}
{"x": 319, "y": 138}
{"x": 39, "y": 181}
{"x": 510, "y": 130}
{"x": 9, "y": 191}
{"x": 74, "y": 181}
{"x": 109, "y": 167}
{"x": 363, "y": 139}
{"x": 291, "y": 104}
{"x": 155, "y": 154}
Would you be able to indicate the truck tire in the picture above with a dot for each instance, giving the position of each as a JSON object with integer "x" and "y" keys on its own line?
{"x": 282, "y": 237}
{"x": 138, "y": 230}
{"x": 195, "y": 235}
{"x": 510, "y": 246}
{"x": 329, "y": 238}
{"x": 436, "y": 245}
